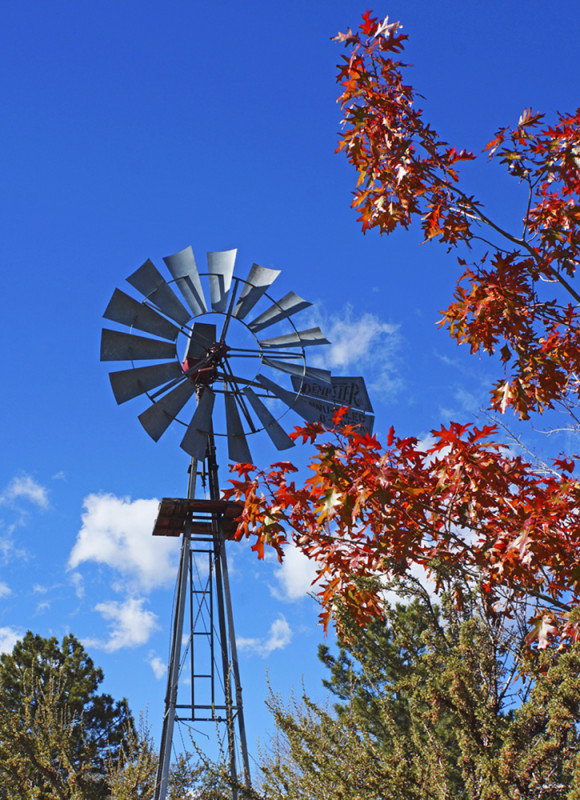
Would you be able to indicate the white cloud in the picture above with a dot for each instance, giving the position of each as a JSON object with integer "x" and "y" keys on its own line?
{"x": 419, "y": 573}
{"x": 117, "y": 531}
{"x": 8, "y": 638}
{"x": 8, "y": 550}
{"x": 25, "y": 488}
{"x": 5, "y": 590}
{"x": 361, "y": 345}
{"x": 158, "y": 666}
{"x": 295, "y": 575}
{"x": 468, "y": 401}
{"x": 77, "y": 581}
{"x": 279, "y": 637}
{"x": 130, "y": 624}
{"x": 18, "y": 495}
{"x": 351, "y": 340}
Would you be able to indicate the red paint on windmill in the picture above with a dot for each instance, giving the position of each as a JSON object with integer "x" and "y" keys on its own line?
{"x": 207, "y": 371}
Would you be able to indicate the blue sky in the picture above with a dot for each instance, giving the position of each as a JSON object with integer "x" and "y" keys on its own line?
{"x": 133, "y": 129}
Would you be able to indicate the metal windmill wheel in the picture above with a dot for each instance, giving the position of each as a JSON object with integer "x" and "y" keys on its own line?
{"x": 205, "y": 361}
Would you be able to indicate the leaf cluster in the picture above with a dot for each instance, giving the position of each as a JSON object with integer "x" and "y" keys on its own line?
{"x": 462, "y": 506}
{"x": 406, "y": 171}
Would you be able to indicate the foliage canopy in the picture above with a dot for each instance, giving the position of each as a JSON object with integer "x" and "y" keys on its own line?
{"x": 466, "y": 504}
{"x": 57, "y": 732}
{"x": 432, "y": 705}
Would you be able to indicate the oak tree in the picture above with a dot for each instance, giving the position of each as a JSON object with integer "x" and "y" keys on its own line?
{"x": 466, "y": 503}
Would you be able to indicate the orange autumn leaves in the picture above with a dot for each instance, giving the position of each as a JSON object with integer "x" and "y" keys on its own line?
{"x": 405, "y": 171}
{"x": 464, "y": 505}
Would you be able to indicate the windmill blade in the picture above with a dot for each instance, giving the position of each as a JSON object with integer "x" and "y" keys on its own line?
{"x": 309, "y": 338}
{"x": 157, "y": 418}
{"x": 203, "y": 335}
{"x": 343, "y": 391}
{"x": 151, "y": 283}
{"x": 275, "y": 431}
{"x": 183, "y": 269}
{"x": 238, "y": 449}
{"x": 116, "y": 346}
{"x": 129, "y": 383}
{"x": 259, "y": 280}
{"x": 221, "y": 269}
{"x": 313, "y": 373}
{"x": 293, "y": 401}
{"x": 290, "y": 304}
{"x": 125, "y": 310}
{"x": 195, "y": 440}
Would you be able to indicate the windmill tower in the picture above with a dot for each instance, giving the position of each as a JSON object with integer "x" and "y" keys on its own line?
{"x": 211, "y": 371}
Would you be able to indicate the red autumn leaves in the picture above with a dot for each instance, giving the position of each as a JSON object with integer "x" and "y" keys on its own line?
{"x": 464, "y": 505}
{"x": 406, "y": 171}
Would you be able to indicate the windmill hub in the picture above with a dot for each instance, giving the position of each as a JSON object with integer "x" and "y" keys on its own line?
{"x": 204, "y": 371}
{"x": 218, "y": 350}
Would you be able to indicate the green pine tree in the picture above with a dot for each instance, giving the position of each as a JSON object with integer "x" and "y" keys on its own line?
{"x": 57, "y": 732}
{"x": 433, "y": 704}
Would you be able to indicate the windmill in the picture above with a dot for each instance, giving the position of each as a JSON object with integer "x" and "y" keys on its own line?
{"x": 228, "y": 369}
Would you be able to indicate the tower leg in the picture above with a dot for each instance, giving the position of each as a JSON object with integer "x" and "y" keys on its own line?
{"x": 175, "y": 656}
{"x": 233, "y": 668}
{"x": 173, "y": 674}
{"x": 218, "y": 548}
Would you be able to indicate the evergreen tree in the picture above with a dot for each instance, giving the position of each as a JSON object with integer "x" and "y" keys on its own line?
{"x": 433, "y": 704}
{"x": 57, "y": 733}
{"x": 132, "y": 772}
